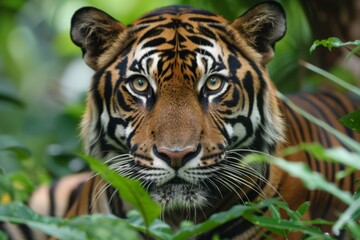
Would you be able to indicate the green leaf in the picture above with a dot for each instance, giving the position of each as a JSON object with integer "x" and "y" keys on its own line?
{"x": 353, "y": 228}
{"x": 346, "y": 216}
{"x": 10, "y": 143}
{"x": 130, "y": 190}
{"x": 351, "y": 120}
{"x": 98, "y": 226}
{"x": 336, "y": 155}
{"x": 85, "y": 227}
{"x": 332, "y": 42}
{"x": 157, "y": 230}
{"x": 303, "y": 208}
{"x": 281, "y": 224}
{"x": 20, "y": 214}
{"x": 221, "y": 218}
{"x": 312, "y": 180}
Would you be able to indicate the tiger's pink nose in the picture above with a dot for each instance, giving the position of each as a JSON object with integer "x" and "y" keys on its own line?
{"x": 176, "y": 158}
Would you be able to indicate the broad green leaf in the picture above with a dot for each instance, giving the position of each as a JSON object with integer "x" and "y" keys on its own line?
{"x": 130, "y": 190}
{"x": 20, "y": 214}
{"x": 351, "y": 120}
{"x": 79, "y": 228}
{"x": 10, "y": 143}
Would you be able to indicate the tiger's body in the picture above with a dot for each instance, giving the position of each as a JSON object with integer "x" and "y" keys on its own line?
{"x": 180, "y": 97}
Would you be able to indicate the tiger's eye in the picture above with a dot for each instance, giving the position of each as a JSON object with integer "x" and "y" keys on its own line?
{"x": 140, "y": 84}
{"x": 214, "y": 83}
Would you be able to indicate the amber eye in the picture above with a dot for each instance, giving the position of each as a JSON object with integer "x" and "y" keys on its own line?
{"x": 140, "y": 84}
{"x": 214, "y": 83}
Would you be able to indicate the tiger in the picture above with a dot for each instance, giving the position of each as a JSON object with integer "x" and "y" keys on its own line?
{"x": 178, "y": 99}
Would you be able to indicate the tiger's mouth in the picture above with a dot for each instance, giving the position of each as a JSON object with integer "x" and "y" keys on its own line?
{"x": 178, "y": 193}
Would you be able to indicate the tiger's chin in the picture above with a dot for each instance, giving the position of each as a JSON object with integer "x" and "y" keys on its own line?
{"x": 180, "y": 196}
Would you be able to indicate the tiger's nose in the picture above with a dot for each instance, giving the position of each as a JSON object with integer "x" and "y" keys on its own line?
{"x": 176, "y": 157}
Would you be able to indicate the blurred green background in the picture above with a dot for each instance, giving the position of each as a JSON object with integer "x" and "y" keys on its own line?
{"x": 43, "y": 79}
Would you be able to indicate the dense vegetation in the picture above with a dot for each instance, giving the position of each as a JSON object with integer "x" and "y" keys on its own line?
{"x": 42, "y": 88}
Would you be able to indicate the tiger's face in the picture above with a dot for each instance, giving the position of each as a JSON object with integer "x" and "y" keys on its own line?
{"x": 180, "y": 97}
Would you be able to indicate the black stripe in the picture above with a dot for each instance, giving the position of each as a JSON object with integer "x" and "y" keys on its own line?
{"x": 74, "y": 195}
{"x": 148, "y": 21}
{"x": 247, "y": 83}
{"x": 200, "y": 41}
{"x": 26, "y": 231}
{"x": 115, "y": 202}
{"x": 52, "y": 199}
{"x": 154, "y": 43}
{"x": 205, "y": 31}
{"x": 3, "y": 229}
{"x": 301, "y": 130}
{"x": 202, "y": 19}
{"x": 153, "y": 32}
{"x": 91, "y": 189}
{"x": 342, "y": 105}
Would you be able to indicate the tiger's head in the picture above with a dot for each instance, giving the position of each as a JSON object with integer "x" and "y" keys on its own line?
{"x": 180, "y": 96}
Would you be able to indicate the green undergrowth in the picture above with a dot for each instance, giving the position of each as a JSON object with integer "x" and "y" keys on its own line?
{"x": 16, "y": 187}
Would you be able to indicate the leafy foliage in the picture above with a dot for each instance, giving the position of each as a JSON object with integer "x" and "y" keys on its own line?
{"x": 332, "y": 42}
{"x": 39, "y": 125}
{"x": 129, "y": 190}
{"x": 351, "y": 120}
{"x": 78, "y": 228}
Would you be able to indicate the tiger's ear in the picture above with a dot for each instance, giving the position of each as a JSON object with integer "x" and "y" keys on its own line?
{"x": 94, "y": 32}
{"x": 262, "y": 26}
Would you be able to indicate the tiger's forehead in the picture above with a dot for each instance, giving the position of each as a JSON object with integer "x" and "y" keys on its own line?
{"x": 178, "y": 38}
{"x": 182, "y": 13}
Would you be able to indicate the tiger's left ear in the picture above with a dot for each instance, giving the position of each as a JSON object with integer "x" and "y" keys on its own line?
{"x": 262, "y": 26}
{"x": 94, "y": 31}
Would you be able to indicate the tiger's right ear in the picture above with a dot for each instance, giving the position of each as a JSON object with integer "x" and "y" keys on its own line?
{"x": 94, "y": 32}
